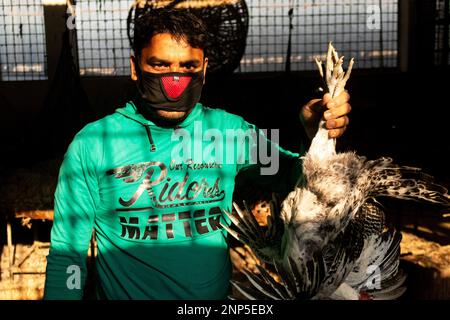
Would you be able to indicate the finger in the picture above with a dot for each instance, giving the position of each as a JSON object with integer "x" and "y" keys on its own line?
{"x": 336, "y": 133}
{"x": 316, "y": 106}
{"x": 326, "y": 98}
{"x": 343, "y": 98}
{"x": 338, "y": 112}
{"x": 337, "y": 123}
{"x": 312, "y": 102}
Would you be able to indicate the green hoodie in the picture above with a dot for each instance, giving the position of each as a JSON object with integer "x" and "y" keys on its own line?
{"x": 157, "y": 220}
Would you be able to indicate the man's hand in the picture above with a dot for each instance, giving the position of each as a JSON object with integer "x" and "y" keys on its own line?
{"x": 334, "y": 111}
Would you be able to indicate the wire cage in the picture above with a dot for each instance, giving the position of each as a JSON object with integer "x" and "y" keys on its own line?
{"x": 226, "y": 20}
{"x": 442, "y": 28}
{"x": 22, "y": 41}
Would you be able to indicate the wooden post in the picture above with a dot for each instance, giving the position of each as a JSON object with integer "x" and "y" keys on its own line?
{"x": 55, "y": 12}
{"x": 10, "y": 248}
{"x": 421, "y": 35}
{"x": 404, "y": 25}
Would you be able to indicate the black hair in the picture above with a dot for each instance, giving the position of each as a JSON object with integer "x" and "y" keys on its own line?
{"x": 181, "y": 23}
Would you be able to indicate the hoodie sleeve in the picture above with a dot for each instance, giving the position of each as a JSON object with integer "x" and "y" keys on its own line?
{"x": 268, "y": 165}
{"x": 74, "y": 212}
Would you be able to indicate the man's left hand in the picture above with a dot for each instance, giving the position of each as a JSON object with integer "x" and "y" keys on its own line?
{"x": 334, "y": 111}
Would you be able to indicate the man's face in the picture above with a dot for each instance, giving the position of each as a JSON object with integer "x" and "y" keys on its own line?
{"x": 165, "y": 54}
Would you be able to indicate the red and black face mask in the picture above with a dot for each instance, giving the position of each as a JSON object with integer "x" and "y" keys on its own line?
{"x": 174, "y": 91}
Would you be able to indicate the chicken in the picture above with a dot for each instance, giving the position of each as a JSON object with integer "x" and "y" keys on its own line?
{"x": 328, "y": 239}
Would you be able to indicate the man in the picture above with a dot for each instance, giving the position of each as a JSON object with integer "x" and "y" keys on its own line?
{"x": 157, "y": 217}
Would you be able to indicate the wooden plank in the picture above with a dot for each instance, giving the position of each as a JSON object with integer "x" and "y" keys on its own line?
{"x": 35, "y": 214}
{"x": 10, "y": 247}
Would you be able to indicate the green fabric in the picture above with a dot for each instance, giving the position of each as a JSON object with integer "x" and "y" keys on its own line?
{"x": 156, "y": 221}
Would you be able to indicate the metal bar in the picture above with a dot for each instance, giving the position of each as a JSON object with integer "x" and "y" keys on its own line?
{"x": 289, "y": 46}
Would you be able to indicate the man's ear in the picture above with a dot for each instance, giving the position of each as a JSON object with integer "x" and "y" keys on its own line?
{"x": 205, "y": 66}
{"x": 133, "y": 69}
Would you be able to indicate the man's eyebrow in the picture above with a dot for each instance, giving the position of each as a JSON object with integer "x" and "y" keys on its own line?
{"x": 195, "y": 62}
{"x": 151, "y": 60}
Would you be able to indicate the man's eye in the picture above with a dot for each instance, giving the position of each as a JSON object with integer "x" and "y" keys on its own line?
{"x": 159, "y": 66}
{"x": 189, "y": 67}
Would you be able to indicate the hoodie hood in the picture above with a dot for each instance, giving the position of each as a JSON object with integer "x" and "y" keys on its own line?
{"x": 131, "y": 112}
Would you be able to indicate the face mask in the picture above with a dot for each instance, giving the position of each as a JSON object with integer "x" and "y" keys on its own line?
{"x": 172, "y": 91}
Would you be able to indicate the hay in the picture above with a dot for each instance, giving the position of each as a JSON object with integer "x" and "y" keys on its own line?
{"x": 427, "y": 264}
{"x": 28, "y": 286}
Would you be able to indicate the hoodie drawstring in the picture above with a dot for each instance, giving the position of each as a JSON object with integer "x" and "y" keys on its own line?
{"x": 150, "y": 138}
